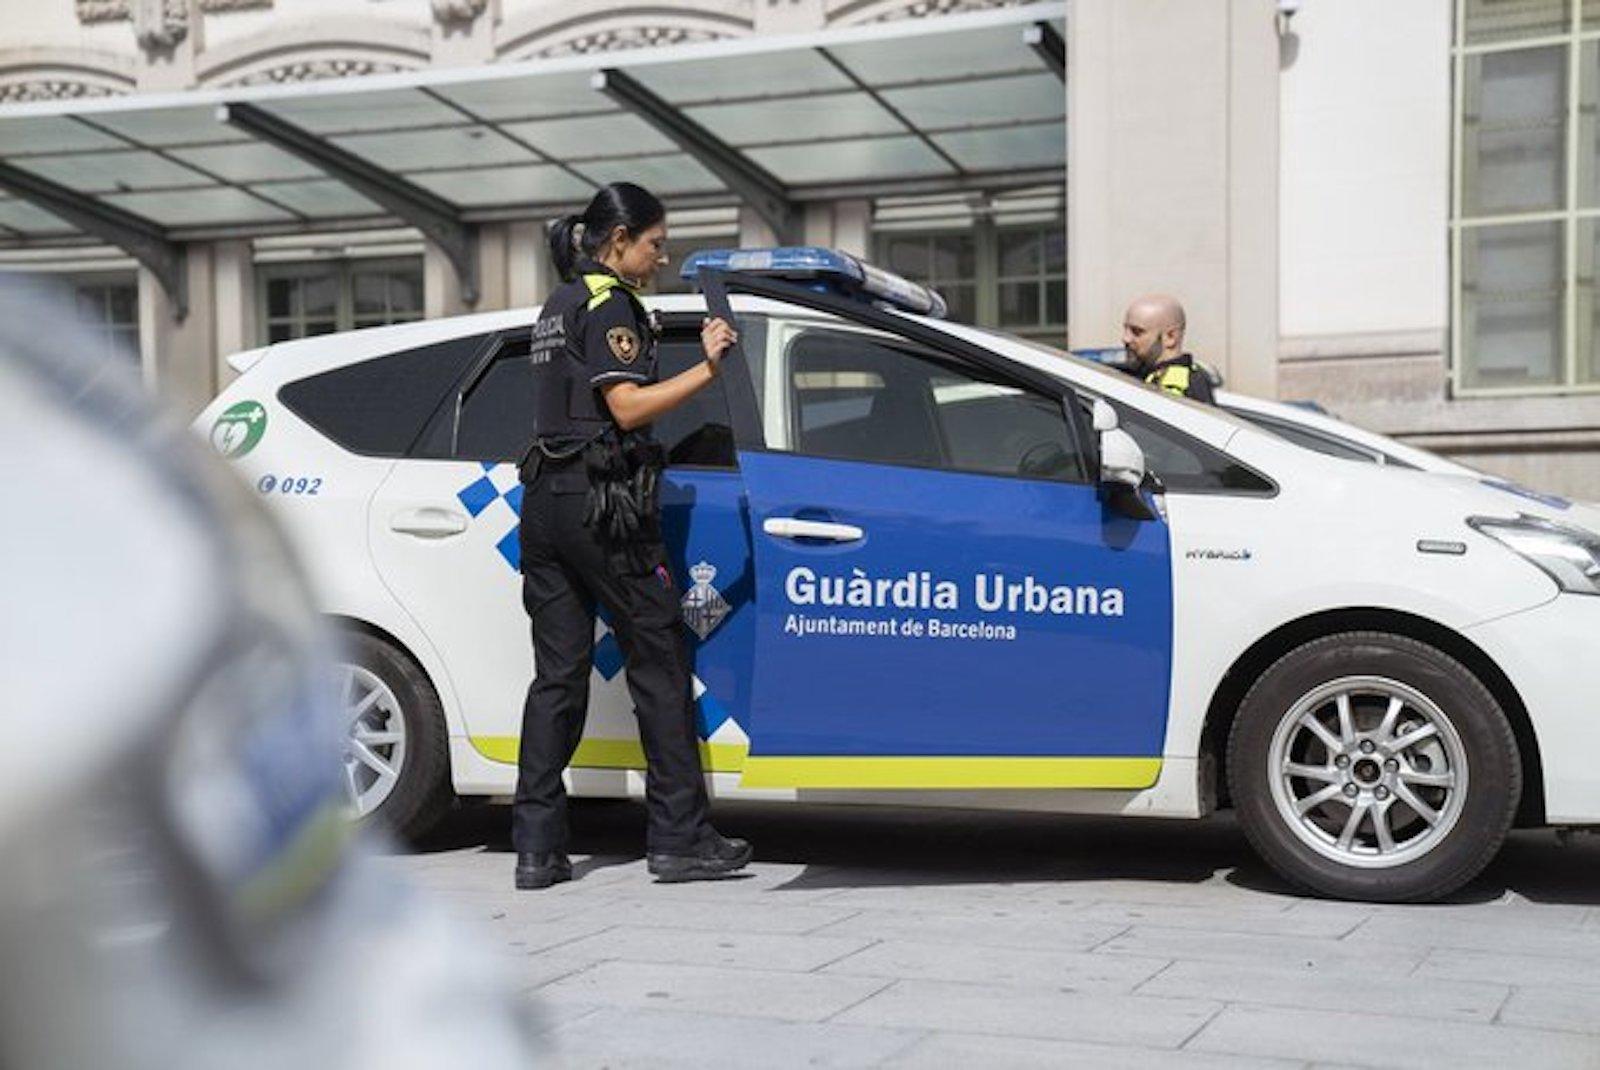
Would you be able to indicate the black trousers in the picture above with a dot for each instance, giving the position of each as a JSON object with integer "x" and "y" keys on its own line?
{"x": 565, "y": 574}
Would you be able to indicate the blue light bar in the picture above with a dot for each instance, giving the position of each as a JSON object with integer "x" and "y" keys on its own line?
{"x": 823, "y": 270}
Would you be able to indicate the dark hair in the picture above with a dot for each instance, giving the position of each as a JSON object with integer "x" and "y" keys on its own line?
{"x": 621, "y": 204}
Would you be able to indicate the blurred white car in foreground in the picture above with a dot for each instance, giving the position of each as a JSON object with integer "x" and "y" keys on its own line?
{"x": 178, "y": 881}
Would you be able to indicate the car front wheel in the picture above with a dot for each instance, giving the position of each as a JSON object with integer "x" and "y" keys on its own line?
{"x": 396, "y": 758}
{"x": 1371, "y": 766}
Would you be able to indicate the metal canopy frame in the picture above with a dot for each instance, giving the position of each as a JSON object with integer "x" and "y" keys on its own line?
{"x": 438, "y": 219}
{"x": 1046, "y": 40}
{"x": 751, "y": 182}
{"x": 152, "y": 217}
{"x": 138, "y": 237}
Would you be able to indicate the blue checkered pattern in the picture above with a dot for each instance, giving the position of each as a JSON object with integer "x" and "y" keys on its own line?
{"x": 499, "y": 483}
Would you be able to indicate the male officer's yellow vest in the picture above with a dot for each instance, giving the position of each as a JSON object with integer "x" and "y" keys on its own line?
{"x": 1174, "y": 379}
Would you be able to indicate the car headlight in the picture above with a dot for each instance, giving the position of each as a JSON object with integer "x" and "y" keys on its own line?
{"x": 1567, "y": 554}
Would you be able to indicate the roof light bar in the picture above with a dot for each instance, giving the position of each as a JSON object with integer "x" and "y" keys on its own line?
{"x": 824, "y": 270}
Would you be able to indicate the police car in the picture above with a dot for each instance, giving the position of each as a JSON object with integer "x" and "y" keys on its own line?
{"x": 929, "y": 564}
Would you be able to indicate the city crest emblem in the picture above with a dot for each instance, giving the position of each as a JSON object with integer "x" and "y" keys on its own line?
{"x": 703, "y": 605}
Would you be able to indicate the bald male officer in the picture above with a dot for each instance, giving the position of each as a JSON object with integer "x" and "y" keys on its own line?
{"x": 1152, "y": 337}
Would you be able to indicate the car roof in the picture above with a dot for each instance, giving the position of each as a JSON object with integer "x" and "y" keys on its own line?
{"x": 286, "y": 361}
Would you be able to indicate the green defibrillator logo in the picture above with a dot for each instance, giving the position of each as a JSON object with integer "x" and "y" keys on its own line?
{"x": 237, "y": 430}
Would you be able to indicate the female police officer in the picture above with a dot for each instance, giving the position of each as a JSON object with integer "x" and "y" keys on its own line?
{"x": 591, "y": 536}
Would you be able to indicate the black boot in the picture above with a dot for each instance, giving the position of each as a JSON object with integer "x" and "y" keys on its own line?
{"x": 713, "y": 856}
{"x": 542, "y": 870}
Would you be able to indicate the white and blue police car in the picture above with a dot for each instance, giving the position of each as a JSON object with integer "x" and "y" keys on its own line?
{"x": 933, "y": 565}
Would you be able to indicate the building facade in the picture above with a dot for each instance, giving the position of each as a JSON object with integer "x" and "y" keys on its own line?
{"x": 1381, "y": 206}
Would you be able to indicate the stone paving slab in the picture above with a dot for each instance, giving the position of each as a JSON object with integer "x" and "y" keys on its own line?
{"x": 750, "y": 993}
{"x": 908, "y": 938}
{"x": 942, "y": 1051}
{"x": 1012, "y": 966}
{"x": 706, "y": 916}
{"x": 655, "y": 1038}
{"x": 1431, "y": 929}
{"x": 1135, "y": 1021}
{"x": 1379, "y": 1041}
{"x": 1319, "y": 989}
{"x": 1453, "y": 962}
{"x": 992, "y": 927}
{"x": 1152, "y": 941}
{"x": 1552, "y": 1007}
{"x": 727, "y": 947}
{"x": 1328, "y": 924}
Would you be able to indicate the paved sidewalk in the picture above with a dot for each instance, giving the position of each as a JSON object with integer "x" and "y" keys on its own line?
{"x": 921, "y": 939}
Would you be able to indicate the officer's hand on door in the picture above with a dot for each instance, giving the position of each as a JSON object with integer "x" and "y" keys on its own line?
{"x": 716, "y": 335}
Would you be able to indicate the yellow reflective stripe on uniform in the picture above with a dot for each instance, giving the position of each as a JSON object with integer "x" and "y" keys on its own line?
{"x": 1173, "y": 379}
{"x": 932, "y": 773}
{"x": 600, "y": 287}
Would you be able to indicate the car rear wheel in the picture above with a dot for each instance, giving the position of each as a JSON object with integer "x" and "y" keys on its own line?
{"x": 1372, "y": 766}
{"x": 397, "y": 758}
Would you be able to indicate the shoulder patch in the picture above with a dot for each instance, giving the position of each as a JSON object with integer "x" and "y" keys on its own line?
{"x": 624, "y": 344}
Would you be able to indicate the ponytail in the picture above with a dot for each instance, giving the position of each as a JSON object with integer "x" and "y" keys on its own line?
{"x": 621, "y": 204}
{"x": 565, "y": 234}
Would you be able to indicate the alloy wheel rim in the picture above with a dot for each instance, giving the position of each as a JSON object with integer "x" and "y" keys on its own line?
{"x": 375, "y": 740}
{"x": 1368, "y": 772}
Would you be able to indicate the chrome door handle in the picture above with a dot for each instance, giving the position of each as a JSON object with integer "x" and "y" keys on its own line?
{"x": 788, "y": 527}
{"x": 428, "y": 523}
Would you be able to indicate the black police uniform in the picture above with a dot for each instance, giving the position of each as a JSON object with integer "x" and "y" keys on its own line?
{"x": 1182, "y": 375}
{"x": 593, "y": 331}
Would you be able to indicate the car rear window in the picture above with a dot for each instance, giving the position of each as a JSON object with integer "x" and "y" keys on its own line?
{"x": 377, "y": 407}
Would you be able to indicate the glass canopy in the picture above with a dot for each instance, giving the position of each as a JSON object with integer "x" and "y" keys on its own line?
{"x": 961, "y": 100}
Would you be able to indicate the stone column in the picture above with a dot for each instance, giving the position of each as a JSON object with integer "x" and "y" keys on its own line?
{"x": 441, "y": 290}
{"x": 235, "y": 289}
{"x": 530, "y": 276}
{"x": 753, "y": 230}
{"x": 1172, "y": 171}
{"x": 492, "y": 268}
{"x": 852, "y": 227}
{"x": 178, "y": 358}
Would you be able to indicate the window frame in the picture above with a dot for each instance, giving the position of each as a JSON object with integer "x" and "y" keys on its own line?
{"x": 107, "y": 329}
{"x": 343, "y": 272}
{"x": 987, "y": 277}
{"x": 1570, "y": 215}
{"x": 746, "y": 413}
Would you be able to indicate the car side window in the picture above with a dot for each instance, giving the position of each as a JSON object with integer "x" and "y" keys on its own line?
{"x": 1185, "y": 464}
{"x": 698, "y": 433}
{"x": 378, "y": 407}
{"x": 856, "y": 395}
{"x": 1309, "y": 439}
{"x": 496, "y": 421}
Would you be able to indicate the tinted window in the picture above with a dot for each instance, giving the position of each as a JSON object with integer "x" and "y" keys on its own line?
{"x": 1186, "y": 464}
{"x": 858, "y": 397}
{"x": 496, "y": 422}
{"x": 697, "y": 432}
{"x": 377, "y": 407}
{"x": 1307, "y": 439}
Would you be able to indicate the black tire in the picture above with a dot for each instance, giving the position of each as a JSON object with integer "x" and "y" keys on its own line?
{"x": 1493, "y": 784}
{"x": 422, "y": 793}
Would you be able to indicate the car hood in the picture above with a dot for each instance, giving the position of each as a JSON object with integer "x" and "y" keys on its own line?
{"x": 1502, "y": 497}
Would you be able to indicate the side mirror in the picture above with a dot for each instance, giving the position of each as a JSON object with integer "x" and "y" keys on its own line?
{"x": 1121, "y": 459}
{"x": 1105, "y": 417}
{"x": 1122, "y": 471}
